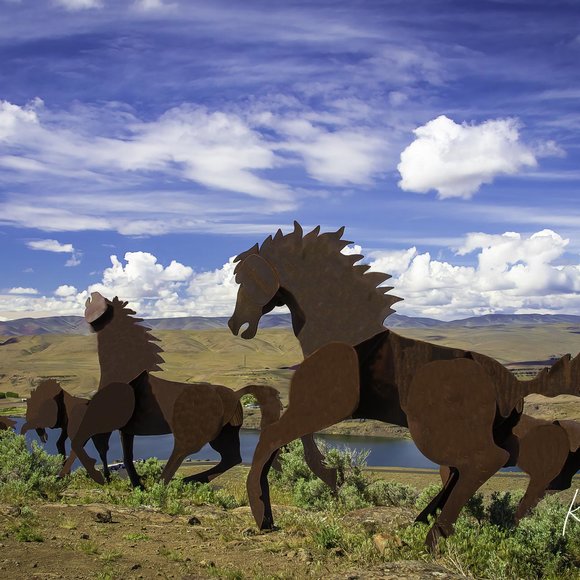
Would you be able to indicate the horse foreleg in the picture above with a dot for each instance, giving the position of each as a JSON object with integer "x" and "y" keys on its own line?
{"x": 66, "y": 468}
{"x": 333, "y": 372}
{"x": 110, "y": 409}
{"x": 227, "y": 444}
{"x": 315, "y": 461}
{"x": 101, "y": 442}
{"x": 127, "y": 445}
{"x": 60, "y": 443}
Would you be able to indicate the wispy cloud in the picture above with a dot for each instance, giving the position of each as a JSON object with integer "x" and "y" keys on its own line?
{"x": 49, "y": 245}
{"x": 79, "y": 4}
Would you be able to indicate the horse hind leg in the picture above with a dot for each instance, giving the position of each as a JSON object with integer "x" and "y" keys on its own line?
{"x": 542, "y": 454}
{"x": 449, "y": 476}
{"x": 470, "y": 479}
{"x": 451, "y": 408}
{"x": 227, "y": 444}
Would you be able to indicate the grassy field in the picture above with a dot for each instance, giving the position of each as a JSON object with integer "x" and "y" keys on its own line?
{"x": 219, "y": 357}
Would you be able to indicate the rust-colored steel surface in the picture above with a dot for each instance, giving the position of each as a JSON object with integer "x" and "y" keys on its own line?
{"x": 461, "y": 407}
{"x": 6, "y": 423}
{"x": 546, "y": 451}
{"x": 51, "y": 407}
{"x": 135, "y": 402}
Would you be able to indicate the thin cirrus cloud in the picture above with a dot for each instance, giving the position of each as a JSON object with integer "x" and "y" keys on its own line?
{"x": 230, "y": 157}
{"x": 75, "y": 5}
{"x": 457, "y": 159}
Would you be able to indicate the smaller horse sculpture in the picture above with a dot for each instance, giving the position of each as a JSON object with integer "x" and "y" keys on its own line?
{"x": 51, "y": 407}
{"x": 549, "y": 452}
{"x": 135, "y": 402}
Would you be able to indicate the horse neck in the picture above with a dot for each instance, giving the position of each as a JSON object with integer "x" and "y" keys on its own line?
{"x": 120, "y": 356}
{"x": 315, "y": 324}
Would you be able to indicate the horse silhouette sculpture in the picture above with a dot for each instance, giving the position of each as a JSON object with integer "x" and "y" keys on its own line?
{"x": 549, "y": 452}
{"x": 51, "y": 407}
{"x": 460, "y": 406}
{"x": 135, "y": 402}
{"x": 6, "y": 423}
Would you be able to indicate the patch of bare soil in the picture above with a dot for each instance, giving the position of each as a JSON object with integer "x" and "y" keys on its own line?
{"x": 104, "y": 542}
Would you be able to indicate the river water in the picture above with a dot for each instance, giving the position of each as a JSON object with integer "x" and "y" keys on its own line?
{"x": 382, "y": 452}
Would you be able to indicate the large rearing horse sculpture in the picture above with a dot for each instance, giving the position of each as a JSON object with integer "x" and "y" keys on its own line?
{"x": 135, "y": 402}
{"x": 460, "y": 406}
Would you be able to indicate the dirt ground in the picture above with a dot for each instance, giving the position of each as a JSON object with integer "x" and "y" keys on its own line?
{"x": 78, "y": 543}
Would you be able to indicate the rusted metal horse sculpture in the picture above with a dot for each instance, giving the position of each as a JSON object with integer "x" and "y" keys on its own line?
{"x": 460, "y": 407}
{"x": 51, "y": 407}
{"x": 548, "y": 451}
{"x": 6, "y": 423}
{"x": 135, "y": 402}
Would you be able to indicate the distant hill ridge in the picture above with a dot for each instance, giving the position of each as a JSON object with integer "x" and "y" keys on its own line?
{"x": 77, "y": 324}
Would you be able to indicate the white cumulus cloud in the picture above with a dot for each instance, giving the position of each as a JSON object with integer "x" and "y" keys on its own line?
{"x": 457, "y": 159}
{"x": 21, "y": 290}
{"x": 513, "y": 274}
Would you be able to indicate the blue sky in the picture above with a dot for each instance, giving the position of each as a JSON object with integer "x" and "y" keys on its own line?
{"x": 172, "y": 135}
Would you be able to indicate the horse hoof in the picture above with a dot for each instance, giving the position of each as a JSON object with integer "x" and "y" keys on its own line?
{"x": 435, "y": 533}
{"x": 268, "y": 523}
{"x": 98, "y": 478}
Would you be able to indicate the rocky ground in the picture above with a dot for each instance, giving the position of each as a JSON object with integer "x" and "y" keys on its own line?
{"x": 68, "y": 540}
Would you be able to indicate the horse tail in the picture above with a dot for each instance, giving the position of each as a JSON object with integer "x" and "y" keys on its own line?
{"x": 268, "y": 400}
{"x": 562, "y": 378}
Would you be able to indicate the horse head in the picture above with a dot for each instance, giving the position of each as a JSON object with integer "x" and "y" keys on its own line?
{"x": 42, "y": 408}
{"x": 257, "y": 294}
{"x": 96, "y": 309}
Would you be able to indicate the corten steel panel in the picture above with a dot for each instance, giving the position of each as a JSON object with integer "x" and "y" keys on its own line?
{"x": 136, "y": 402}
{"x": 51, "y": 407}
{"x": 333, "y": 299}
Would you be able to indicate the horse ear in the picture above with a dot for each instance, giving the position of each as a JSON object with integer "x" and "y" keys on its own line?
{"x": 259, "y": 279}
{"x": 95, "y": 307}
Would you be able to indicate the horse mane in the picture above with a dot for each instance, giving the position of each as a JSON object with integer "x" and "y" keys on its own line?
{"x": 313, "y": 267}
{"x": 126, "y": 347}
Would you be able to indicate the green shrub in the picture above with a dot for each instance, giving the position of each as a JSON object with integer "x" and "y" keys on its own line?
{"x": 534, "y": 549}
{"x": 25, "y": 474}
{"x": 12, "y": 395}
{"x": 426, "y": 495}
{"x": 388, "y": 493}
{"x": 2, "y": 395}
{"x": 356, "y": 489}
{"x": 149, "y": 470}
{"x": 248, "y": 400}
{"x": 502, "y": 507}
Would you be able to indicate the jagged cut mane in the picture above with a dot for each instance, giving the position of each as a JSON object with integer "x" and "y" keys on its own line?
{"x": 329, "y": 285}
{"x": 126, "y": 347}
